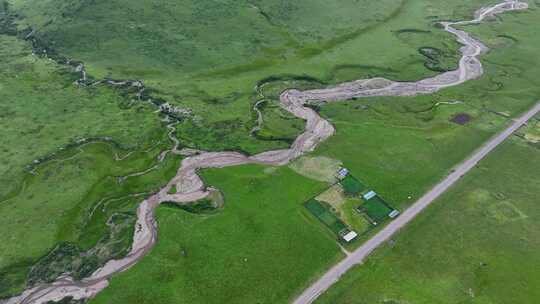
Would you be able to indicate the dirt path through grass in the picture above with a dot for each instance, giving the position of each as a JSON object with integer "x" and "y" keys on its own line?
{"x": 190, "y": 187}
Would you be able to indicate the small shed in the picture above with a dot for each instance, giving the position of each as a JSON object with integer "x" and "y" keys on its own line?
{"x": 370, "y": 195}
{"x": 342, "y": 173}
{"x": 393, "y": 214}
{"x": 349, "y": 236}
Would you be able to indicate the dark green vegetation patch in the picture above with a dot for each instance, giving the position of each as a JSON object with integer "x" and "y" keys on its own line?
{"x": 352, "y": 186}
{"x": 209, "y": 56}
{"x": 69, "y": 258}
{"x": 68, "y": 300}
{"x": 323, "y": 212}
{"x": 438, "y": 60}
{"x": 376, "y": 208}
{"x": 68, "y": 166}
{"x": 198, "y": 207}
{"x": 208, "y": 205}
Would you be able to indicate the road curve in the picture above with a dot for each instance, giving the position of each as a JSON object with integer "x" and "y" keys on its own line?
{"x": 190, "y": 187}
{"x": 358, "y": 256}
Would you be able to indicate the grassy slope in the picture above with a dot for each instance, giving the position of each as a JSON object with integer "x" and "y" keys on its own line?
{"x": 469, "y": 247}
{"x": 191, "y": 57}
{"x": 243, "y": 254}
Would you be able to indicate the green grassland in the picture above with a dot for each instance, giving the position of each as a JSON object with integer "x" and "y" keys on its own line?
{"x": 42, "y": 110}
{"x": 242, "y": 254}
{"x": 376, "y": 209}
{"x": 353, "y": 218}
{"x": 324, "y": 213}
{"x": 73, "y": 200}
{"x": 219, "y": 58}
{"x": 352, "y": 186}
{"x": 64, "y": 151}
{"x": 209, "y": 55}
{"x": 401, "y": 146}
{"x": 477, "y": 244}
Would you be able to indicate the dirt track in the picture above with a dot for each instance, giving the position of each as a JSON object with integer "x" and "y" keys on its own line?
{"x": 190, "y": 187}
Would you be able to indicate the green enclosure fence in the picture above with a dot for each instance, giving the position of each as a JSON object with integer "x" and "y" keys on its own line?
{"x": 322, "y": 212}
{"x": 352, "y": 186}
{"x": 376, "y": 208}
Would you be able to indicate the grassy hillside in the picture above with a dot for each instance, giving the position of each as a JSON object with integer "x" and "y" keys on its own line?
{"x": 478, "y": 244}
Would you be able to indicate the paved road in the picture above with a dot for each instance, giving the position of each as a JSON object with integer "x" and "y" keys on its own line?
{"x": 358, "y": 256}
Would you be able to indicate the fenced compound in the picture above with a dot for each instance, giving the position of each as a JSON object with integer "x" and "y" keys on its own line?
{"x": 372, "y": 208}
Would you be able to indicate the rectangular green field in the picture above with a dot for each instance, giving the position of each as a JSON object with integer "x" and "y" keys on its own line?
{"x": 325, "y": 215}
{"x": 376, "y": 209}
{"x": 352, "y": 186}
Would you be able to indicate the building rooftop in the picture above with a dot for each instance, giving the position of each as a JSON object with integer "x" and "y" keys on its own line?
{"x": 350, "y": 236}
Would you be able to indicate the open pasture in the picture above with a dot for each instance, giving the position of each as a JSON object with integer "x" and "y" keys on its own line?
{"x": 477, "y": 244}
{"x": 241, "y": 254}
{"x": 212, "y": 57}
{"x": 401, "y": 145}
